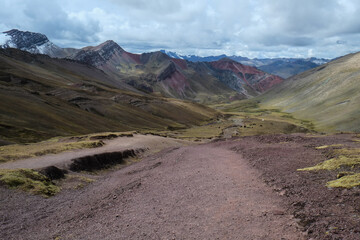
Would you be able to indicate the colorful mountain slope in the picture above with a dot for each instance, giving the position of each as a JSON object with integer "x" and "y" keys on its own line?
{"x": 158, "y": 73}
{"x": 258, "y": 80}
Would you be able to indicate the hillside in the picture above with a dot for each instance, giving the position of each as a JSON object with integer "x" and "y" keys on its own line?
{"x": 329, "y": 95}
{"x": 42, "y": 97}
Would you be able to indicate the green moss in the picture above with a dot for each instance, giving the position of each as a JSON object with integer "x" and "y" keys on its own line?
{"x": 348, "y": 181}
{"x": 334, "y": 164}
{"x": 28, "y": 180}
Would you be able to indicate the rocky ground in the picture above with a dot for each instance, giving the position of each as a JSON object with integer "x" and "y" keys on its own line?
{"x": 239, "y": 188}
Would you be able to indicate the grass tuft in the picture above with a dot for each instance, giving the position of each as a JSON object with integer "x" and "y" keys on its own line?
{"x": 345, "y": 157}
{"x": 349, "y": 157}
{"x": 334, "y": 163}
{"x": 348, "y": 181}
{"x": 28, "y": 180}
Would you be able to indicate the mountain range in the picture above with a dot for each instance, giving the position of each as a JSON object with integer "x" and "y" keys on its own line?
{"x": 105, "y": 88}
{"x": 156, "y": 72}
{"x": 48, "y": 91}
{"x": 283, "y": 67}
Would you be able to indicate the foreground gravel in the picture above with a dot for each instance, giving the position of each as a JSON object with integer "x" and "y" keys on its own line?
{"x": 246, "y": 188}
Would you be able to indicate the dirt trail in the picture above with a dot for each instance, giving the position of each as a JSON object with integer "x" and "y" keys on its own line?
{"x": 150, "y": 142}
{"x": 195, "y": 192}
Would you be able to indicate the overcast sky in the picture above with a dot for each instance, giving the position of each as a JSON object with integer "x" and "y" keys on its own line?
{"x": 251, "y": 28}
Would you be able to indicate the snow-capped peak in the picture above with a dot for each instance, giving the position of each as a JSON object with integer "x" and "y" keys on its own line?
{"x": 28, "y": 41}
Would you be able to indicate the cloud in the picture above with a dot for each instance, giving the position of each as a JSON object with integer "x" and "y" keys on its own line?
{"x": 50, "y": 18}
{"x": 253, "y": 28}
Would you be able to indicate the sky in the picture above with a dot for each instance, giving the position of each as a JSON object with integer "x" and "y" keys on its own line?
{"x": 249, "y": 28}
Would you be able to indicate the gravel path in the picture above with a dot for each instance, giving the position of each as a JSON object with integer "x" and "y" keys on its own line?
{"x": 194, "y": 192}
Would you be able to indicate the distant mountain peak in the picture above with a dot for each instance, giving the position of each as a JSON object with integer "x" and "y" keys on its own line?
{"x": 283, "y": 67}
{"x": 100, "y": 54}
{"x": 227, "y": 59}
{"x": 31, "y": 42}
{"x": 106, "y": 46}
{"x": 157, "y": 56}
{"x": 27, "y": 41}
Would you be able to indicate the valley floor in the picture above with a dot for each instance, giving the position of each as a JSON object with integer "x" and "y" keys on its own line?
{"x": 238, "y": 188}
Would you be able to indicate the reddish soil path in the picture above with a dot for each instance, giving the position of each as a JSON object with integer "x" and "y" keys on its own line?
{"x": 195, "y": 192}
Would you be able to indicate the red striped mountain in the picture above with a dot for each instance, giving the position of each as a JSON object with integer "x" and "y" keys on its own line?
{"x": 158, "y": 73}
{"x": 258, "y": 80}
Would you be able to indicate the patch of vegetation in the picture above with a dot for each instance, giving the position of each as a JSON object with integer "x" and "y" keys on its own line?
{"x": 327, "y": 146}
{"x": 252, "y": 110}
{"x": 52, "y": 146}
{"x": 334, "y": 163}
{"x": 208, "y": 131}
{"x": 348, "y": 152}
{"x": 238, "y": 106}
{"x": 348, "y": 181}
{"x": 28, "y": 180}
{"x": 345, "y": 158}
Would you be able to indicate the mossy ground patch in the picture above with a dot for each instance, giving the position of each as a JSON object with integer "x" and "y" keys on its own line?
{"x": 345, "y": 158}
{"x": 28, "y": 180}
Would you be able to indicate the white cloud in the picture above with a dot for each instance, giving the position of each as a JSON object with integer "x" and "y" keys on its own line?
{"x": 253, "y": 28}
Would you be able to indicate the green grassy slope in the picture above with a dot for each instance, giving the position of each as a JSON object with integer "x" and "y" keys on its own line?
{"x": 42, "y": 97}
{"x": 328, "y": 95}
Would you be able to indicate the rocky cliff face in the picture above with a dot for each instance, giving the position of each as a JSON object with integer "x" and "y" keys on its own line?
{"x": 31, "y": 42}
{"x": 25, "y": 40}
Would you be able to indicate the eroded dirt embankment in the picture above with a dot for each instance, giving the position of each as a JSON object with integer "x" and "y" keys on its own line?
{"x": 121, "y": 146}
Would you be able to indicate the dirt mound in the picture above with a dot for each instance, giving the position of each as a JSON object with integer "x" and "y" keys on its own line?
{"x": 100, "y": 161}
{"x": 53, "y": 172}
